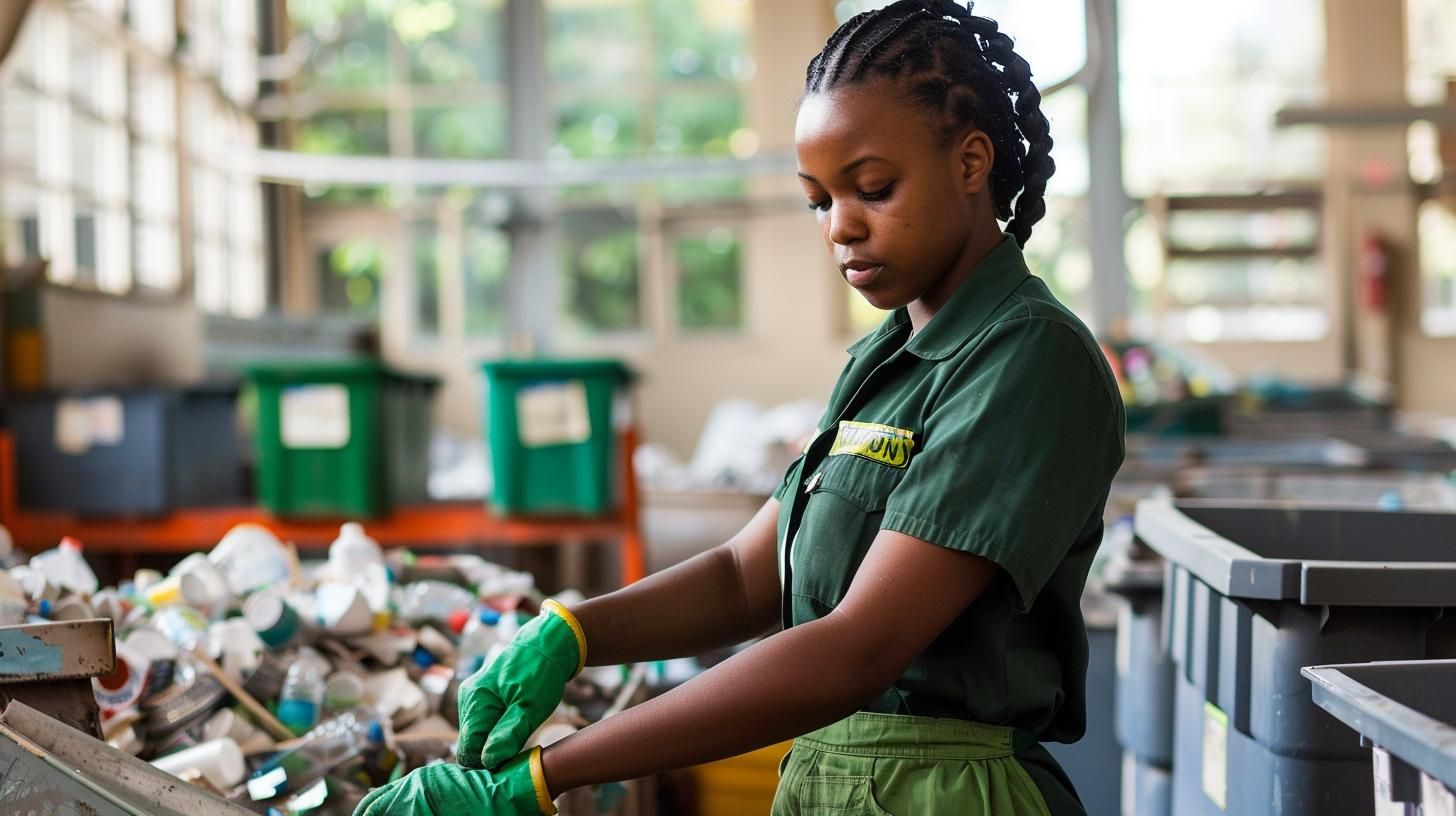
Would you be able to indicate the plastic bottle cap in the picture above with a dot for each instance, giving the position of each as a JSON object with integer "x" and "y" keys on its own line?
{"x": 423, "y": 658}
{"x": 458, "y": 619}
{"x": 376, "y": 731}
{"x": 70, "y": 544}
{"x": 488, "y": 616}
{"x": 45, "y": 609}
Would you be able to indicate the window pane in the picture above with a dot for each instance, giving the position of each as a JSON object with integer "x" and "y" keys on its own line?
{"x": 596, "y": 129}
{"x": 1199, "y": 93}
{"x": 599, "y": 40}
{"x": 153, "y": 103}
{"x": 487, "y": 259}
{"x": 20, "y": 221}
{"x": 18, "y": 138}
{"x": 697, "y": 124}
{"x": 1438, "y": 268}
{"x": 348, "y": 133}
{"x": 456, "y": 44}
{"x": 599, "y": 269}
{"x": 702, "y": 39}
{"x": 425, "y": 264}
{"x": 349, "y": 277}
{"x": 352, "y": 37}
{"x": 710, "y": 289}
{"x": 473, "y": 132}
{"x": 154, "y": 23}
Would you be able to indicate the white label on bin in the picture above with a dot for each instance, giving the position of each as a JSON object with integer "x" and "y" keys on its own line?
{"x": 82, "y": 424}
{"x": 315, "y": 416}
{"x": 1436, "y": 798}
{"x": 73, "y": 427}
{"x": 108, "y": 421}
{"x": 553, "y": 414}
{"x": 1215, "y": 755}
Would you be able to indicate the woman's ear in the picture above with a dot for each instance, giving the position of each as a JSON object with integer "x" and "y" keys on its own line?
{"x": 977, "y": 155}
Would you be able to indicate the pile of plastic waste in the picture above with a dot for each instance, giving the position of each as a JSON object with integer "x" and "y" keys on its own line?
{"x": 294, "y": 688}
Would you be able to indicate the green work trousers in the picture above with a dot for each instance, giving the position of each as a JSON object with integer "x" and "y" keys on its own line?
{"x": 876, "y": 764}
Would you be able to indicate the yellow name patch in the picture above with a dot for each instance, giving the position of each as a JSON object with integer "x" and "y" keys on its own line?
{"x": 877, "y": 443}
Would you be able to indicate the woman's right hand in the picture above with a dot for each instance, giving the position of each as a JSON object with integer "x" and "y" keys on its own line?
{"x": 507, "y": 700}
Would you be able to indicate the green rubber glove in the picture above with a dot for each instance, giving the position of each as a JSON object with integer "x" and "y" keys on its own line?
{"x": 506, "y": 701}
{"x": 518, "y": 789}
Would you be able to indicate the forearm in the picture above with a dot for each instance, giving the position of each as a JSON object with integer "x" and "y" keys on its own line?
{"x": 692, "y": 608}
{"x": 793, "y": 682}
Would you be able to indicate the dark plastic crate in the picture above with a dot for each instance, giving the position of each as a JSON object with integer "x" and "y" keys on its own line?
{"x": 1259, "y": 590}
{"x": 126, "y": 452}
{"x": 1255, "y": 780}
{"x": 1407, "y": 710}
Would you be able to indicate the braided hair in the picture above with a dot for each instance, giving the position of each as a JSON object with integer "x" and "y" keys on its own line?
{"x": 962, "y": 69}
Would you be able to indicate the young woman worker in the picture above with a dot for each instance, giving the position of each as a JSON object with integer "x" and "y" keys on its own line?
{"x": 920, "y": 567}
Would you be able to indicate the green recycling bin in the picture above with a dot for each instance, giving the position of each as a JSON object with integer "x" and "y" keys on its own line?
{"x": 342, "y": 438}
{"x": 552, "y": 439}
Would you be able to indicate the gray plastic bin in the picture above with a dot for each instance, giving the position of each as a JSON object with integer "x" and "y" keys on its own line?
{"x": 1407, "y": 712}
{"x": 135, "y": 451}
{"x": 1369, "y": 489}
{"x": 1259, "y": 590}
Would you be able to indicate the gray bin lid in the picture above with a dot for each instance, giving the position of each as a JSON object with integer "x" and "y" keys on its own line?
{"x": 1318, "y": 556}
{"x": 1405, "y": 707}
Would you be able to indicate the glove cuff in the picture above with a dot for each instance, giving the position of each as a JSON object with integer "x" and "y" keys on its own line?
{"x": 560, "y": 611}
{"x": 538, "y": 780}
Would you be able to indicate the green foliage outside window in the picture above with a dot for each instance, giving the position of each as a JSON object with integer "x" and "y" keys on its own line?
{"x": 710, "y": 289}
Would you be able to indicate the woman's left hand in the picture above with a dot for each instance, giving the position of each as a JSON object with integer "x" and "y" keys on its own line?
{"x": 450, "y": 790}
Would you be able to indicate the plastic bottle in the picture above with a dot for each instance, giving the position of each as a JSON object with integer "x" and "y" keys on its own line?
{"x": 250, "y": 557}
{"x": 431, "y": 601}
{"x": 302, "y": 697}
{"x": 478, "y": 636}
{"x": 65, "y": 566}
{"x": 352, "y": 551}
{"x": 323, "y": 749}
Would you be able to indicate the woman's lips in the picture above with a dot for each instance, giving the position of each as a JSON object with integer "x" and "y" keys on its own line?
{"x": 862, "y": 276}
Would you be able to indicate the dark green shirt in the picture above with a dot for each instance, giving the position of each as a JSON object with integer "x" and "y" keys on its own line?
{"x": 996, "y": 430}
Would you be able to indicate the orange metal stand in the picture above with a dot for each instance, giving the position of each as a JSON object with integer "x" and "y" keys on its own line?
{"x": 464, "y": 524}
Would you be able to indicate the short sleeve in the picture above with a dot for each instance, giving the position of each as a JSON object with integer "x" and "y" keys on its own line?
{"x": 1019, "y": 450}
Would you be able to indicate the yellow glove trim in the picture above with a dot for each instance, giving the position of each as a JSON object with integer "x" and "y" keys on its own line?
{"x": 538, "y": 778}
{"x": 560, "y": 611}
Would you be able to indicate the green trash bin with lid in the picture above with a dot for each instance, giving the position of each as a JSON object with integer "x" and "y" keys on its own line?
{"x": 340, "y": 438}
{"x": 551, "y": 429}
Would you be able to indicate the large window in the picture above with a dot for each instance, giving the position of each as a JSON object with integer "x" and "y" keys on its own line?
{"x": 1210, "y": 258}
{"x": 91, "y": 166}
{"x": 626, "y": 79}
{"x": 1432, "y": 81}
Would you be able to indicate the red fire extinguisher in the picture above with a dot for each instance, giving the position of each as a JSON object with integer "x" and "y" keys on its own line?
{"x": 1374, "y": 271}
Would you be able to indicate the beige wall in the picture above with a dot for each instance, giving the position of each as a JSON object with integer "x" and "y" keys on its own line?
{"x": 95, "y": 339}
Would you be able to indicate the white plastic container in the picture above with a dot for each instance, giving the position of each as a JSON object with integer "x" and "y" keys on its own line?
{"x": 66, "y": 567}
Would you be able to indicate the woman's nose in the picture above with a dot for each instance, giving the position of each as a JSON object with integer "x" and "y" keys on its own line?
{"x": 846, "y": 224}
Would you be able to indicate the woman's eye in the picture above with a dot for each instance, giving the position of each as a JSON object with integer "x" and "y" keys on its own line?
{"x": 819, "y": 206}
{"x": 878, "y": 195}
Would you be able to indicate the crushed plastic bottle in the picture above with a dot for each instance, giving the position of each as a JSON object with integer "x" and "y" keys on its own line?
{"x": 431, "y": 602}
{"x": 250, "y": 557}
{"x": 66, "y": 567}
{"x": 323, "y": 749}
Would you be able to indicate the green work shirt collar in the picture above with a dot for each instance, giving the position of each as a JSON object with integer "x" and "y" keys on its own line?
{"x": 969, "y": 307}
